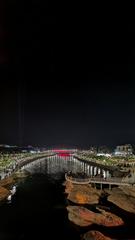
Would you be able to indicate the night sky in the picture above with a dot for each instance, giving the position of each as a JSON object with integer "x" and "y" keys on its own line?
{"x": 67, "y": 77}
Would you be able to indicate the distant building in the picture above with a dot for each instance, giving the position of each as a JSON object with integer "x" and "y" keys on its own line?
{"x": 104, "y": 154}
{"x": 123, "y": 150}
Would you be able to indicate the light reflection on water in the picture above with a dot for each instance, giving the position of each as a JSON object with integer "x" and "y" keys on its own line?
{"x": 57, "y": 165}
{"x": 54, "y": 165}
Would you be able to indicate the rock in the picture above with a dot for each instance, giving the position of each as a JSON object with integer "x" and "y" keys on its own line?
{"x": 82, "y": 194}
{"x": 94, "y": 235}
{"x": 68, "y": 186}
{"x": 84, "y": 217}
{"x": 4, "y": 193}
{"x": 7, "y": 182}
{"x": 123, "y": 198}
{"x": 128, "y": 190}
{"x": 78, "y": 220}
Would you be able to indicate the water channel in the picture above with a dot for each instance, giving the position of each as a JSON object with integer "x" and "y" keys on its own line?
{"x": 38, "y": 209}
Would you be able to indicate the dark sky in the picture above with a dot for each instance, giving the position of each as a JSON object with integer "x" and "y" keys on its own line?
{"x": 67, "y": 76}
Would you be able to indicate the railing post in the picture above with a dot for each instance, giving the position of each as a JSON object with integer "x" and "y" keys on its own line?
{"x": 101, "y": 186}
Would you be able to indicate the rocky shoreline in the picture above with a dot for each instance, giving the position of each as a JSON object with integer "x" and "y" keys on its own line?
{"x": 8, "y": 182}
{"x": 85, "y": 195}
{"x": 92, "y": 235}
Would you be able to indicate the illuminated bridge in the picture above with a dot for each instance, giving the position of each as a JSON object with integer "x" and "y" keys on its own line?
{"x": 64, "y": 151}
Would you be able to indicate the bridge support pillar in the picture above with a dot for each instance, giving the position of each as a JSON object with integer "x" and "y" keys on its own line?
{"x": 101, "y": 172}
{"x": 110, "y": 187}
{"x": 91, "y": 171}
{"x": 101, "y": 186}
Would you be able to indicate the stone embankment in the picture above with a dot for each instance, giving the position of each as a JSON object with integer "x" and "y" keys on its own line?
{"x": 8, "y": 182}
{"x": 14, "y": 174}
{"x": 17, "y": 163}
{"x": 27, "y": 160}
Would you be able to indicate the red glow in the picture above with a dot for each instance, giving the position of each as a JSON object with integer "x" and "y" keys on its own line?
{"x": 63, "y": 154}
{"x": 62, "y": 150}
{"x": 59, "y": 150}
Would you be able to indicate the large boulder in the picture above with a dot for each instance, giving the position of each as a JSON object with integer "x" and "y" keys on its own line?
{"x": 83, "y": 217}
{"x": 128, "y": 190}
{"x": 82, "y": 194}
{"x": 94, "y": 235}
{"x": 123, "y": 198}
{"x": 7, "y": 182}
{"x": 3, "y": 193}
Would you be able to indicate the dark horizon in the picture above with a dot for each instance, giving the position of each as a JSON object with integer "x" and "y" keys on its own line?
{"x": 65, "y": 81}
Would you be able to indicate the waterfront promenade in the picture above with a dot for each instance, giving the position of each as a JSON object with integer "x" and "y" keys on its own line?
{"x": 98, "y": 180}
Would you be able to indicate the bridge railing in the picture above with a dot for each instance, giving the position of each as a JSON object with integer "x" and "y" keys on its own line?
{"x": 100, "y": 179}
{"x": 77, "y": 179}
{"x": 111, "y": 180}
{"x": 117, "y": 181}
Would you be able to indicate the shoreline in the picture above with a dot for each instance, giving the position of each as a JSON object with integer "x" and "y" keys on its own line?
{"x": 10, "y": 179}
{"x": 87, "y": 210}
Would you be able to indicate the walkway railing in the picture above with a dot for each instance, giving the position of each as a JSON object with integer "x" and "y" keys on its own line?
{"x": 112, "y": 181}
{"x": 96, "y": 162}
{"x": 109, "y": 181}
{"x": 77, "y": 180}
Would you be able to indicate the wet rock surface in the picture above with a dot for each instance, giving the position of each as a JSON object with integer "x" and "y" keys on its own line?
{"x": 123, "y": 197}
{"x": 7, "y": 182}
{"x": 94, "y": 235}
{"x": 82, "y": 194}
{"x": 3, "y": 193}
{"x": 88, "y": 208}
{"x": 84, "y": 217}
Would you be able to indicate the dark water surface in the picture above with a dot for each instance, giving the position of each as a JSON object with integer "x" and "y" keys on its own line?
{"x": 38, "y": 209}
